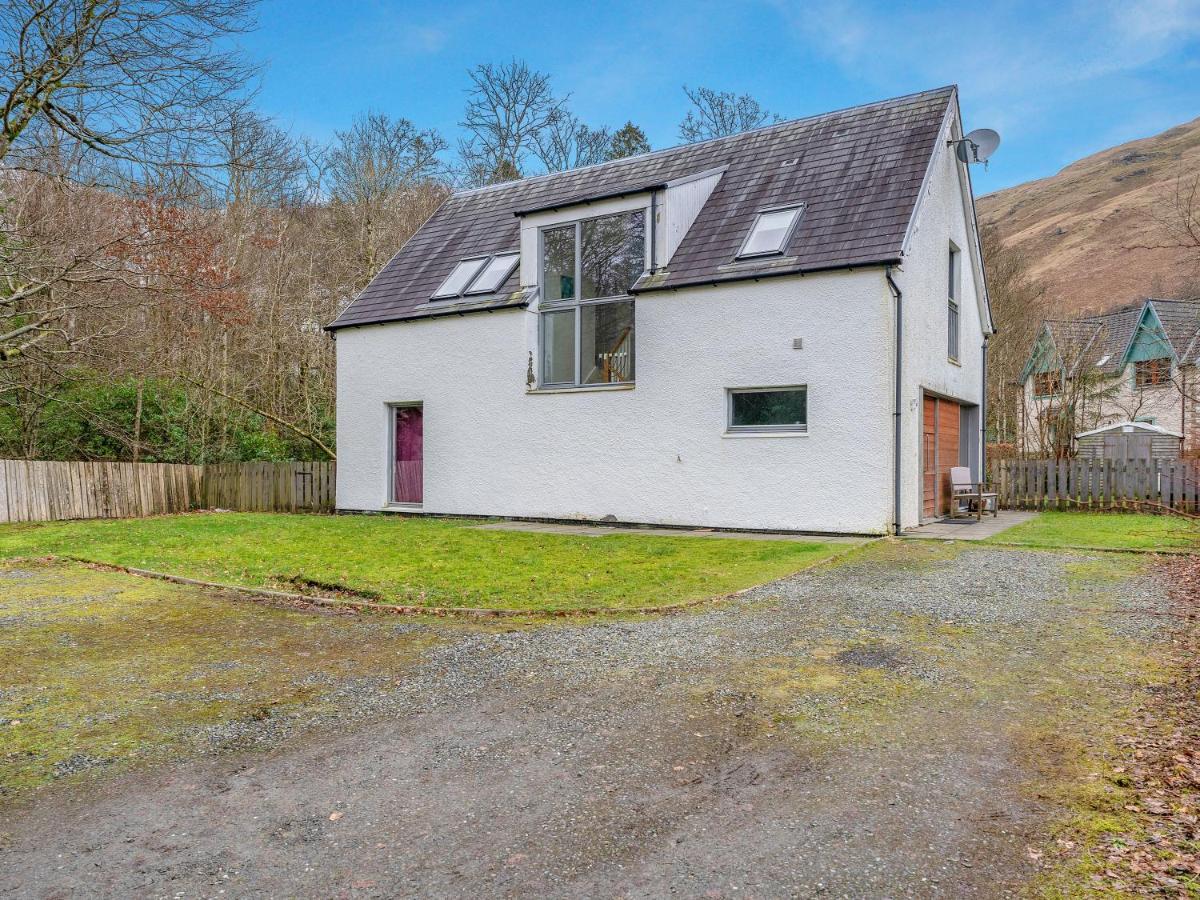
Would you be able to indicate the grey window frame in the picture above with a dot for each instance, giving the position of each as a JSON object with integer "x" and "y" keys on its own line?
{"x": 730, "y": 428}
{"x": 799, "y": 207}
{"x": 484, "y": 257}
{"x": 470, "y": 288}
{"x": 391, "y": 406}
{"x": 953, "y": 308}
{"x": 466, "y": 288}
{"x": 576, "y": 304}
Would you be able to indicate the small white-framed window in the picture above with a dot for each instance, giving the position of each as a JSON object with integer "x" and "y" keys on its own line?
{"x": 767, "y": 409}
{"x": 461, "y": 276}
{"x": 952, "y": 290}
{"x": 494, "y": 274}
{"x": 771, "y": 230}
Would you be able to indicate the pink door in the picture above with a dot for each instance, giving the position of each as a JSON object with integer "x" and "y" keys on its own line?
{"x": 407, "y": 477}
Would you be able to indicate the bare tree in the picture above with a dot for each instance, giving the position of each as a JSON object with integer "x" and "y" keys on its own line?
{"x": 135, "y": 80}
{"x": 1070, "y": 394}
{"x": 508, "y": 107}
{"x": 566, "y": 143}
{"x": 720, "y": 113}
{"x": 380, "y": 173}
{"x": 1019, "y": 304}
{"x": 112, "y": 94}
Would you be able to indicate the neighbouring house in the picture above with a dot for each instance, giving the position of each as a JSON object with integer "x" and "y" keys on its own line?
{"x": 781, "y": 329}
{"x": 1137, "y": 364}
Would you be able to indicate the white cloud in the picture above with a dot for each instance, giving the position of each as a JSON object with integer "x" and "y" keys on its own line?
{"x": 1017, "y": 63}
{"x": 998, "y": 48}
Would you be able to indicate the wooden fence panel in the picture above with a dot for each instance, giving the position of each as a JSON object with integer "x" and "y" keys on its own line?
{"x": 270, "y": 487}
{"x": 1081, "y": 483}
{"x": 41, "y": 491}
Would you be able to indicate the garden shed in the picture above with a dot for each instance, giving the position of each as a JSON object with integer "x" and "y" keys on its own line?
{"x": 1129, "y": 441}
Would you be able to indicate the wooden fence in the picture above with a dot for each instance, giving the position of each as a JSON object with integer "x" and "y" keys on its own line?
{"x": 1097, "y": 483}
{"x": 38, "y": 491}
{"x": 270, "y": 487}
{"x": 35, "y": 491}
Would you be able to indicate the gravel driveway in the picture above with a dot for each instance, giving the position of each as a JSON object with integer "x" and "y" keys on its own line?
{"x": 884, "y": 727}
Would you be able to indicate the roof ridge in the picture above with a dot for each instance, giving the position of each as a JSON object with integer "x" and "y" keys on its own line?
{"x": 470, "y": 192}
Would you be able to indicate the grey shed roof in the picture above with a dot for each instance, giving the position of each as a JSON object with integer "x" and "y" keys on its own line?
{"x": 858, "y": 171}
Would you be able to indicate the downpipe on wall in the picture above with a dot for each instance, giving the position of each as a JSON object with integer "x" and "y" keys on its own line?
{"x": 899, "y": 297}
{"x": 983, "y": 410}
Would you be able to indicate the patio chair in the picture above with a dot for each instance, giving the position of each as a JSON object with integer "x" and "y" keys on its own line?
{"x": 969, "y": 496}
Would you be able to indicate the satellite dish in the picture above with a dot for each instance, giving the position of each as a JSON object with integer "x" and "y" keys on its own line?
{"x": 978, "y": 146}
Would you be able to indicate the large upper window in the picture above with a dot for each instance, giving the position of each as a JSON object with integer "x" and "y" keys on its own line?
{"x": 770, "y": 231}
{"x": 768, "y": 409}
{"x": 588, "y": 268}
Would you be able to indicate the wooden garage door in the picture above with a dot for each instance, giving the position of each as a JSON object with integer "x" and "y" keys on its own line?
{"x": 939, "y": 452}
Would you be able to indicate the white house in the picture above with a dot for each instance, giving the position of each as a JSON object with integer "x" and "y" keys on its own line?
{"x": 781, "y": 330}
{"x": 1136, "y": 364}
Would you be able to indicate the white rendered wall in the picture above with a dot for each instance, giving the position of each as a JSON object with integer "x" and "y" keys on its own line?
{"x": 656, "y": 453}
{"x": 940, "y": 220}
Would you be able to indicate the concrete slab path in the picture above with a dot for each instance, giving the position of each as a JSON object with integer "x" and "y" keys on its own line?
{"x": 970, "y": 529}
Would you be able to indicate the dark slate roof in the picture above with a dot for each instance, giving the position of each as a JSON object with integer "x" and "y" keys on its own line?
{"x": 858, "y": 171}
{"x": 1103, "y": 340}
{"x": 1079, "y": 339}
{"x": 1181, "y": 321}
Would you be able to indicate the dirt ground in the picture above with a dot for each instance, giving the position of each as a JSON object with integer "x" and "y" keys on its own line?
{"x": 910, "y": 722}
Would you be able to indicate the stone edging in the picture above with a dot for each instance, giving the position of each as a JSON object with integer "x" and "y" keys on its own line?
{"x": 1162, "y": 551}
{"x": 439, "y": 611}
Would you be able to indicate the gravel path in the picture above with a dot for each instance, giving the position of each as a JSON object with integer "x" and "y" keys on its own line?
{"x": 866, "y": 730}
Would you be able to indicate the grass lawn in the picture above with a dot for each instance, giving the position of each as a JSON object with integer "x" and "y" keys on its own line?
{"x": 1118, "y": 531}
{"x": 424, "y": 561}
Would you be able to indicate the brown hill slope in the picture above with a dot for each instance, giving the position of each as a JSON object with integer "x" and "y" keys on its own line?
{"x": 1094, "y": 233}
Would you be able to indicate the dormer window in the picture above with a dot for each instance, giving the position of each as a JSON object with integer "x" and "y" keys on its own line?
{"x": 770, "y": 232}
{"x": 457, "y": 281}
{"x": 587, "y": 271}
{"x": 494, "y": 274}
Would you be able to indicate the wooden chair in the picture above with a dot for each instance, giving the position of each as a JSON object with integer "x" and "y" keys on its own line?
{"x": 969, "y": 496}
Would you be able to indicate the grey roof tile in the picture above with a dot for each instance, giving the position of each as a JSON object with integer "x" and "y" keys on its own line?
{"x": 1102, "y": 340}
{"x": 858, "y": 171}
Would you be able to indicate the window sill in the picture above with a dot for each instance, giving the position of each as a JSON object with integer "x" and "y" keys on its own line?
{"x": 953, "y": 361}
{"x": 583, "y": 388}
{"x": 765, "y": 434}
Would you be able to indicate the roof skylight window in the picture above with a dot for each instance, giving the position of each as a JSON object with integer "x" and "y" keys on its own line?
{"x": 770, "y": 231}
{"x": 454, "y": 285}
{"x": 494, "y": 274}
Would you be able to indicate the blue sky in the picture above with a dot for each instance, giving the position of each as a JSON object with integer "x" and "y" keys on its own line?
{"x": 1057, "y": 80}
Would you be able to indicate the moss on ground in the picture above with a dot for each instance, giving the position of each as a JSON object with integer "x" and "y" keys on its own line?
{"x": 100, "y": 670}
{"x": 1060, "y": 686}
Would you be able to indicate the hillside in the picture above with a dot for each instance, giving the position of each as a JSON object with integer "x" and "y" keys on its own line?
{"x": 1089, "y": 229}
